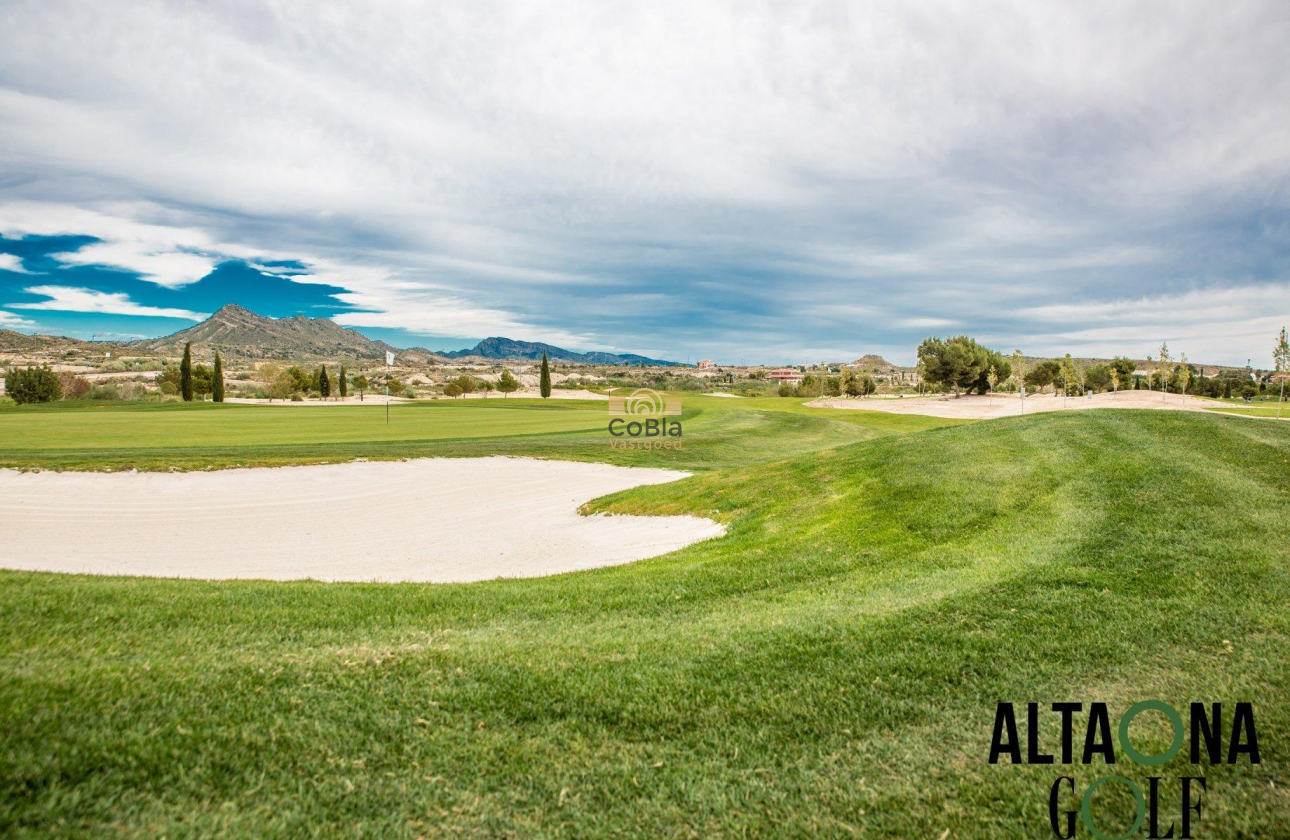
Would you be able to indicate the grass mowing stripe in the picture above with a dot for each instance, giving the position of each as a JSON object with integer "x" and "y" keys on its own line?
{"x": 830, "y": 668}
{"x": 67, "y": 436}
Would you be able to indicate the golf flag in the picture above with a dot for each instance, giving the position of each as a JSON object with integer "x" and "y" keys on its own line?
{"x": 389, "y": 357}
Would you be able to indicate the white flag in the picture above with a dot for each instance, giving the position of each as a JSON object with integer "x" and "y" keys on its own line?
{"x": 389, "y": 357}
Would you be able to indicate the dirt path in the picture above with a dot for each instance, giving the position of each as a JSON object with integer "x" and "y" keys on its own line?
{"x": 434, "y": 520}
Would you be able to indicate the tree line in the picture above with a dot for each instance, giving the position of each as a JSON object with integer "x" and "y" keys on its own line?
{"x": 963, "y": 365}
{"x": 848, "y": 382}
{"x": 193, "y": 382}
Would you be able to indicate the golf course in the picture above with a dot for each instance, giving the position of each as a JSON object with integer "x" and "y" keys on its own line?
{"x": 829, "y": 667}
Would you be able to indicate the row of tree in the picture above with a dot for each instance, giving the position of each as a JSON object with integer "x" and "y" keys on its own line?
{"x": 506, "y": 384}
{"x": 40, "y": 384}
{"x": 295, "y": 382}
{"x": 962, "y": 364}
{"x": 848, "y": 382}
{"x": 191, "y": 381}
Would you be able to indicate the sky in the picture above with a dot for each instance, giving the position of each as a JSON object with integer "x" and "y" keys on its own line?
{"x": 757, "y": 182}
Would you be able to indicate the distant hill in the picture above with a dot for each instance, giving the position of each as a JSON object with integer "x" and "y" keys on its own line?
{"x": 11, "y": 340}
{"x": 45, "y": 345}
{"x": 419, "y": 356}
{"x": 498, "y": 347}
{"x": 238, "y": 331}
{"x": 874, "y": 364}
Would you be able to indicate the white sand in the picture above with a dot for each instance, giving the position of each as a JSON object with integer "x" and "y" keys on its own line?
{"x": 723, "y": 394}
{"x": 1008, "y": 405}
{"x": 435, "y": 520}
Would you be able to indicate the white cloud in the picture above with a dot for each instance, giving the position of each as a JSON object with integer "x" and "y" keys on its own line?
{"x": 1207, "y": 324}
{"x": 168, "y": 253}
{"x": 447, "y": 316}
{"x": 512, "y": 167}
{"x": 72, "y": 299}
{"x": 925, "y": 323}
{"x": 12, "y": 262}
{"x": 11, "y": 321}
{"x": 168, "y": 268}
{"x": 164, "y": 254}
{"x": 1197, "y": 307}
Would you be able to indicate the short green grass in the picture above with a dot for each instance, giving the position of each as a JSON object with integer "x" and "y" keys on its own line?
{"x": 830, "y": 668}
{"x": 151, "y": 436}
{"x": 1258, "y": 408}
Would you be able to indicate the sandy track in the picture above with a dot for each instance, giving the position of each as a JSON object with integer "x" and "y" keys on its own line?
{"x": 434, "y": 520}
{"x": 981, "y": 408}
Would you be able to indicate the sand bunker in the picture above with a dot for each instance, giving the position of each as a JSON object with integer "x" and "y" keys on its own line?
{"x": 1007, "y": 405}
{"x": 435, "y": 520}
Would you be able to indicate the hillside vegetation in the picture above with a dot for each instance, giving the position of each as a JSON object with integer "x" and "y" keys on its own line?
{"x": 830, "y": 668}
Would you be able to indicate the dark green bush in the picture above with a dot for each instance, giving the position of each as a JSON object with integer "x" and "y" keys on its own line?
{"x": 33, "y": 385}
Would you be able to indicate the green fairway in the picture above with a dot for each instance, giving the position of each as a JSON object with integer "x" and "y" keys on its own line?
{"x": 830, "y": 668}
{"x": 717, "y": 432}
{"x": 1255, "y": 409}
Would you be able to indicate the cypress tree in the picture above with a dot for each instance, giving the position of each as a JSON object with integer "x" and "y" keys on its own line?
{"x": 545, "y": 383}
{"x": 217, "y": 380}
{"x": 344, "y": 385}
{"x": 324, "y": 384}
{"x": 186, "y": 374}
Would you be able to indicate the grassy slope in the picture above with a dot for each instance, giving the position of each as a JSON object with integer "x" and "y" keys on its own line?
{"x": 717, "y": 432}
{"x": 829, "y": 668}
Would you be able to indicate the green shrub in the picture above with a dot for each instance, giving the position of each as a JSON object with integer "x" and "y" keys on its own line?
{"x": 116, "y": 391}
{"x": 33, "y": 385}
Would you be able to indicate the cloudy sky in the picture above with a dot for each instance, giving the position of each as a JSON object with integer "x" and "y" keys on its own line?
{"x": 748, "y": 180}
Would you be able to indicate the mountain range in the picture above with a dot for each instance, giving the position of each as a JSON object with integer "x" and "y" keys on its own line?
{"x": 237, "y": 331}
{"x": 498, "y": 347}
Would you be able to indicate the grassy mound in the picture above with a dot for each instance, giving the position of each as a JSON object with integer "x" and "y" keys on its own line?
{"x": 829, "y": 668}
